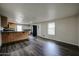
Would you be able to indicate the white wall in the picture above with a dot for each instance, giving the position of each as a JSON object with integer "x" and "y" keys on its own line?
{"x": 39, "y": 29}
{"x": 26, "y": 27}
{"x": 66, "y": 30}
{"x": 44, "y": 30}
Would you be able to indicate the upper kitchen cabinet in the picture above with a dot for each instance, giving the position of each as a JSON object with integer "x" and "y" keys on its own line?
{"x": 11, "y": 25}
{"x": 7, "y": 23}
{"x": 4, "y": 21}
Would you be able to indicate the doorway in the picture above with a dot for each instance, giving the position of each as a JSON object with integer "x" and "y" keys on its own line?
{"x": 34, "y": 30}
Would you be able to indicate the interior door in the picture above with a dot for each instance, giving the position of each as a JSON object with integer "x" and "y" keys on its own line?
{"x": 35, "y": 30}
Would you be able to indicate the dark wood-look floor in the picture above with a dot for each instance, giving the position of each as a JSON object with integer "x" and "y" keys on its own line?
{"x": 37, "y": 47}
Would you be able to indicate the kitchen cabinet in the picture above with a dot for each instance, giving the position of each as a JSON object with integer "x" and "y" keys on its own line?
{"x": 4, "y": 21}
{"x": 11, "y": 25}
{"x": 6, "y": 24}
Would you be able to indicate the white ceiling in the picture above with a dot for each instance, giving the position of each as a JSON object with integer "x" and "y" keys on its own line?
{"x": 28, "y": 13}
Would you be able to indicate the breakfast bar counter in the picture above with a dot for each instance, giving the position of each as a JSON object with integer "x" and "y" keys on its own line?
{"x": 14, "y": 36}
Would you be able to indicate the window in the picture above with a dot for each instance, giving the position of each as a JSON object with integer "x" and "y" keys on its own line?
{"x": 51, "y": 28}
{"x": 19, "y": 27}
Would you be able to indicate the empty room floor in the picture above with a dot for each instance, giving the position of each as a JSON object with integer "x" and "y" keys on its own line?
{"x": 38, "y": 47}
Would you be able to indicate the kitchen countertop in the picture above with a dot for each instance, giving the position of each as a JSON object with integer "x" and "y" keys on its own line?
{"x": 13, "y": 31}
